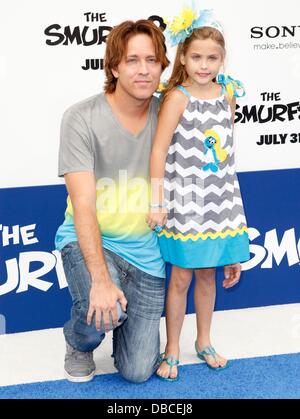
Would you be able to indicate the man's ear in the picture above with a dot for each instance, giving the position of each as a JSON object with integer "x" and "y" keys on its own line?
{"x": 115, "y": 73}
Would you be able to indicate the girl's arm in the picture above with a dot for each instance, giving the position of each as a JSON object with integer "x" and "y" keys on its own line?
{"x": 233, "y": 106}
{"x": 232, "y": 272}
{"x": 168, "y": 118}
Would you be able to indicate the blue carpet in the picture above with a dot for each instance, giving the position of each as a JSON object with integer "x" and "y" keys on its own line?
{"x": 256, "y": 378}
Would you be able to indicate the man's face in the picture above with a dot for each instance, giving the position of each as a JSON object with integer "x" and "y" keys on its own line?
{"x": 139, "y": 71}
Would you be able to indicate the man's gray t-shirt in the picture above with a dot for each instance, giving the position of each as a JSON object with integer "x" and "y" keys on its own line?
{"x": 93, "y": 140}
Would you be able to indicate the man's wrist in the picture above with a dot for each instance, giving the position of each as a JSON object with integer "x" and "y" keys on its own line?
{"x": 100, "y": 278}
{"x": 99, "y": 273}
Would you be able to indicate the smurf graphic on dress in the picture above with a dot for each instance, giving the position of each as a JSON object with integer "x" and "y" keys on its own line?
{"x": 213, "y": 154}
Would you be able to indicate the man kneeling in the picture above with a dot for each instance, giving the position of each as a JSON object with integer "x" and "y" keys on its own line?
{"x": 111, "y": 258}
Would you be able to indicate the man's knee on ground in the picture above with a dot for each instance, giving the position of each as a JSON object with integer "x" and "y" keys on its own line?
{"x": 137, "y": 371}
{"x": 136, "y": 376}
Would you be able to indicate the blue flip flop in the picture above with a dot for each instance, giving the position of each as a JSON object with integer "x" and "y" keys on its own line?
{"x": 171, "y": 361}
{"x": 209, "y": 350}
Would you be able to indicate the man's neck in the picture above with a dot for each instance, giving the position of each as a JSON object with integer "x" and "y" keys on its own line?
{"x": 130, "y": 112}
{"x": 128, "y": 106}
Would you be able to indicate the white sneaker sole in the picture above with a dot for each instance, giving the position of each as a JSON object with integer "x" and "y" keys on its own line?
{"x": 83, "y": 379}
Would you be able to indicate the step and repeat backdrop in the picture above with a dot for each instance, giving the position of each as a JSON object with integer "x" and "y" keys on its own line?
{"x": 51, "y": 56}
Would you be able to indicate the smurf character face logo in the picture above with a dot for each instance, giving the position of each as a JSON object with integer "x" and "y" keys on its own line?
{"x": 213, "y": 154}
{"x": 209, "y": 142}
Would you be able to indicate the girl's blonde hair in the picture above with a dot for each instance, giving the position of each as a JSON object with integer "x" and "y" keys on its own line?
{"x": 179, "y": 74}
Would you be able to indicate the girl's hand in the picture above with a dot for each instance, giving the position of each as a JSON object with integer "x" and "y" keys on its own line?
{"x": 232, "y": 275}
{"x": 156, "y": 217}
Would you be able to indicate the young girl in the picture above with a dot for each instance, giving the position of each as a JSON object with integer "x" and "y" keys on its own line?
{"x": 196, "y": 206}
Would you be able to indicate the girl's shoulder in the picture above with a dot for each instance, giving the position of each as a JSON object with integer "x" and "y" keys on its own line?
{"x": 230, "y": 86}
{"x": 179, "y": 94}
{"x": 175, "y": 99}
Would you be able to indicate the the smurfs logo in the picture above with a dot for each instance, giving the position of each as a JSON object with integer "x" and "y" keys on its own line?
{"x": 93, "y": 32}
{"x": 273, "y": 249}
{"x": 21, "y": 278}
{"x": 272, "y": 110}
{"x": 19, "y": 275}
{"x": 269, "y": 112}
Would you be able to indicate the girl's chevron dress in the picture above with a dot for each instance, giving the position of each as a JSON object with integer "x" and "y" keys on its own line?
{"x": 206, "y": 224}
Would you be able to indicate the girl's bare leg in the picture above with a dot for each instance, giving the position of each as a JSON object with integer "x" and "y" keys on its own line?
{"x": 175, "y": 312}
{"x": 204, "y": 298}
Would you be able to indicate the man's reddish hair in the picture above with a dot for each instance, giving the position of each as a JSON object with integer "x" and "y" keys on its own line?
{"x": 116, "y": 45}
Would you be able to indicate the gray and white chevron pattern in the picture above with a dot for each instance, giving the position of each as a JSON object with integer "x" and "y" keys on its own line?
{"x": 202, "y": 201}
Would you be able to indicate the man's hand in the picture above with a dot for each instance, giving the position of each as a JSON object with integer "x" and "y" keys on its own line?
{"x": 232, "y": 275}
{"x": 103, "y": 302}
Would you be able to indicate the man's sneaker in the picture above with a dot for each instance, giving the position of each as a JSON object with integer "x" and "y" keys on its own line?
{"x": 79, "y": 366}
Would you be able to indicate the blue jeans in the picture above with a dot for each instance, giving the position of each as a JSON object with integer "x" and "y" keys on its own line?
{"x": 136, "y": 341}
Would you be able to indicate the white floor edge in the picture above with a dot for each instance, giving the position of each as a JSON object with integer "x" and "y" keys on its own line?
{"x": 253, "y": 332}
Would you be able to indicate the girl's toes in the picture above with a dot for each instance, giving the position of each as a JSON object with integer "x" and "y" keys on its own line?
{"x": 214, "y": 364}
{"x": 223, "y": 362}
{"x": 173, "y": 375}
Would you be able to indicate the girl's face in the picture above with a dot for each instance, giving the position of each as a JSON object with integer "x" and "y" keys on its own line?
{"x": 202, "y": 61}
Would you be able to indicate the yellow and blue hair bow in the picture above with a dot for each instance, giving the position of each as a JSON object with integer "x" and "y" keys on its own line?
{"x": 231, "y": 86}
{"x": 182, "y": 26}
